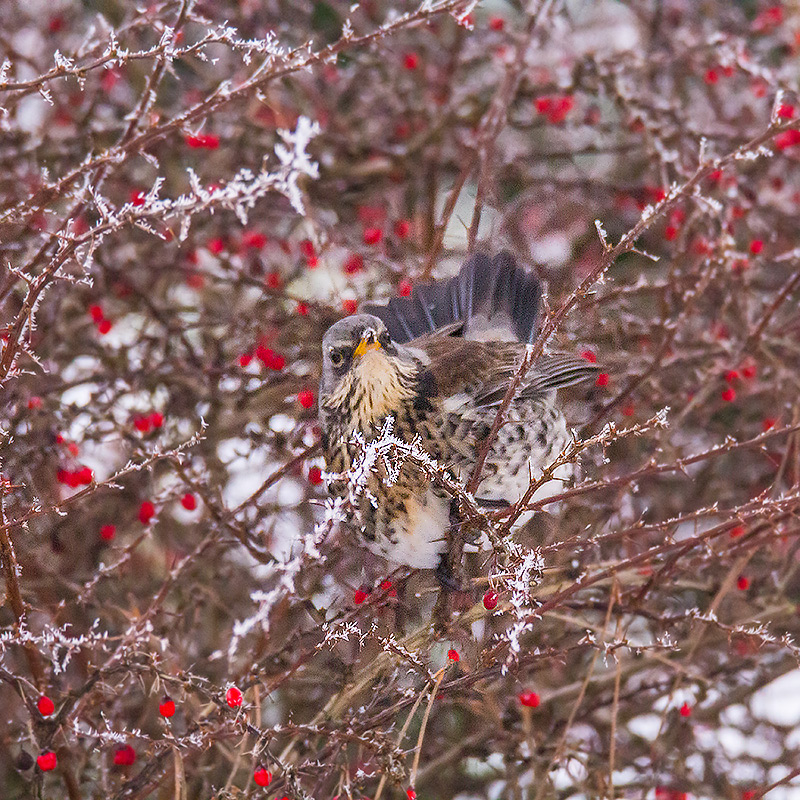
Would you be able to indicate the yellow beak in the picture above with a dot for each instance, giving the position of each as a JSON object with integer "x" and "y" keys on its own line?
{"x": 364, "y": 345}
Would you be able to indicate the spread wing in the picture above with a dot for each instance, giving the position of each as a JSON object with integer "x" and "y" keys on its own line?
{"x": 483, "y": 370}
{"x": 489, "y": 300}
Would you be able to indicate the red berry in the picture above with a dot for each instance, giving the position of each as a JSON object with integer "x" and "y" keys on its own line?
{"x": 142, "y": 424}
{"x": 156, "y": 419}
{"x": 47, "y": 761}
{"x": 245, "y": 359}
{"x": 125, "y": 756}
{"x": 497, "y": 23}
{"x": 711, "y": 76}
{"x": 96, "y": 313}
{"x": 34, "y": 403}
{"x": 254, "y": 239}
{"x": 269, "y": 358}
{"x": 743, "y": 583}
{"x": 216, "y": 246}
{"x": 736, "y": 532}
{"x": 543, "y": 104}
{"x": 104, "y": 326}
{"x": 167, "y": 707}
{"x": 785, "y": 111}
{"x": 354, "y": 264}
{"x": 411, "y": 60}
{"x": 262, "y": 777}
{"x": 349, "y": 306}
{"x": 768, "y": 423}
{"x": 490, "y": 600}
{"x": 45, "y": 705}
{"x": 373, "y": 235}
{"x": 411, "y": 794}
{"x": 84, "y": 476}
{"x": 302, "y": 309}
{"x": 146, "y": 512}
{"x": 233, "y": 697}
{"x": 756, "y": 246}
{"x": 203, "y": 141}
{"x": 787, "y": 139}
{"x": 107, "y": 532}
{"x": 402, "y": 228}
{"x": 189, "y": 501}
{"x": 194, "y": 280}
{"x": 306, "y": 398}
{"x": 529, "y": 699}
{"x": 273, "y": 280}
{"x": 404, "y": 288}
{"x": 731, "y": 375}
{"x": 602, "y": 379}
{"x": 453, "y": 655}
{"x": 589, "y": 356}
{"x": 729, "y": 394}
{"x": 686, "y": 710}
{"x": 749, "y": 371}
{"x": 359, "y": 596}
{"x": 670, "y": 233}
{"x": 314, "y": 475}
{"x": 561, "y": 106}
{"x": 137, "y": 197}
{"x": 312, "y": 262}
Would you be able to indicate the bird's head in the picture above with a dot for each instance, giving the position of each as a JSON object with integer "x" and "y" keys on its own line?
{"x": 364, "y": 373}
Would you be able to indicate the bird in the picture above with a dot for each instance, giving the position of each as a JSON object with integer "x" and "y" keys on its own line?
{"x": 437, "y": 364}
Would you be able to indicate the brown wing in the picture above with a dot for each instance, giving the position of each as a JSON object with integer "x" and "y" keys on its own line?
{"x": 484, "y": 369}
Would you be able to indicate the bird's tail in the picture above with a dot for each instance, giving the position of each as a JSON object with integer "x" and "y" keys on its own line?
{"x": 490, "y": 300}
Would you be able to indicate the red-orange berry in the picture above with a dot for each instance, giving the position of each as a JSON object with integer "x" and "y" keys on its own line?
{"x": 262, "y": 777}
{"x": 410, "y": 60}
{"x": 125, "y": 756}
{"x": 452, "y": 655}
{"x": 47, "y": 761}
{"x": 529, "y": 699}
{"x": 107, "y": 532}
{"x": 234, "y": 697}
{"x": 372, "y": 235}
{"x": 146, "y": 512}
{"x": 742, "y": 583}
{"x": 490, "y": 600}
{"x": 167, "y": 707}
{"x": 189, "y": 501}
{"x": 45, "y": 705}
{"x": 306, "y": 398}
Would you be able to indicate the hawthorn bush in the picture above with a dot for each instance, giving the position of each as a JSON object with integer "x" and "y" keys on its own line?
{"x": 191, "y": 193}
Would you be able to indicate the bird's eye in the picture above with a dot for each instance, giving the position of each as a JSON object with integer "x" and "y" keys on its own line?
{"x": 336, "y": 358}
{"x": 385, "y": 339}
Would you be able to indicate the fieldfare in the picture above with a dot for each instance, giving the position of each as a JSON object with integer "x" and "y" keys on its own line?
{"x": 439, "y": 363}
